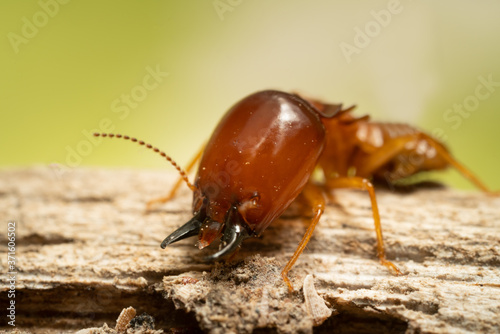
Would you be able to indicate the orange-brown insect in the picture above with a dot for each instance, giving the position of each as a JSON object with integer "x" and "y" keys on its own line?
{"x": 261, "y": 158}
{"x": 384, "y": 151}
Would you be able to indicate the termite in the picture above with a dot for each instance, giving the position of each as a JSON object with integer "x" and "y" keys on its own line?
{"x": 382, "y": 151}
{"x": 261, "y": 158}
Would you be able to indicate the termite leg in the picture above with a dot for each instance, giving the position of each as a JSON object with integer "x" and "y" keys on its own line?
{"x": 314, "y": 198}
{"x": 364, "y": 184}
{"x": 384, "y": 154}
{"x": 178, "y": 184}
{"x": 461, "y": 168}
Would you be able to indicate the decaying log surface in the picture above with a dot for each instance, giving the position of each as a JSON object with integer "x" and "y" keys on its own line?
{"x": 86, "y": 249}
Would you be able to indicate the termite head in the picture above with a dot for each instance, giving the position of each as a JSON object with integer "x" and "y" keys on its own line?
{"x": 257, "y": 161}
{"x": 214, "y": 216}
{"x": 212, "y": 220}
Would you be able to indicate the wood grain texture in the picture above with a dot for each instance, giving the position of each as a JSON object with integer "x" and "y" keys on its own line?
{"x": 86, "y": 249}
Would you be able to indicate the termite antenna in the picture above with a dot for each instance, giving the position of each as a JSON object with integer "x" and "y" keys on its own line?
{"x": 156, "y": 150}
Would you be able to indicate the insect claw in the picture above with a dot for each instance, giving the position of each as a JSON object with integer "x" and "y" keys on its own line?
{"x": 191, "y": 228}
{"x": 234, "y": 235}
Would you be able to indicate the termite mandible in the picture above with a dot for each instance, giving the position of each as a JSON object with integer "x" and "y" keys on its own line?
{"x": 262, "y": 154}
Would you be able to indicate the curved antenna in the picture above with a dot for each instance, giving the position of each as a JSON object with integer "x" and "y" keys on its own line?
{"x": 156, "y": 150}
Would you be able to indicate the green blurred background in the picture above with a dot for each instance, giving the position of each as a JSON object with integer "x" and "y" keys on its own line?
{"x": 67, "y": 67}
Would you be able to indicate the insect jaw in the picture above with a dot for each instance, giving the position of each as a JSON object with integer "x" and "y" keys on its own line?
{"x": 190, "y": 229}
{"x": 234, "y": 234}
{"x": 235, "y": 230}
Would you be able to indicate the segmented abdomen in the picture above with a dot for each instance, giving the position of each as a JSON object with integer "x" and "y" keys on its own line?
{"x": 394, "y": 151}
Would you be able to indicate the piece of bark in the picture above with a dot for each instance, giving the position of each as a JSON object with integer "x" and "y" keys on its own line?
{"x": 86, "y": 249}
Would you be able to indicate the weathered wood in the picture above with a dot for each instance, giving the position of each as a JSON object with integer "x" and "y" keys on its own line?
{"x": 86, "y": 249}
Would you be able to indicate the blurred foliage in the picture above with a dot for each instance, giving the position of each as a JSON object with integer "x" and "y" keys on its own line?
{"x": 68, "y": 67}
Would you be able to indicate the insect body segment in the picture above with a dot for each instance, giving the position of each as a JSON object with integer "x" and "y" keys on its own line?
{"x": 258, "y": 160}
{"x": 383, "y": 151}
{"x": 261, "y": 156}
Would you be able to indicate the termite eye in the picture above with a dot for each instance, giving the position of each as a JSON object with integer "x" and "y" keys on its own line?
{"x": 255, "y": 198}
